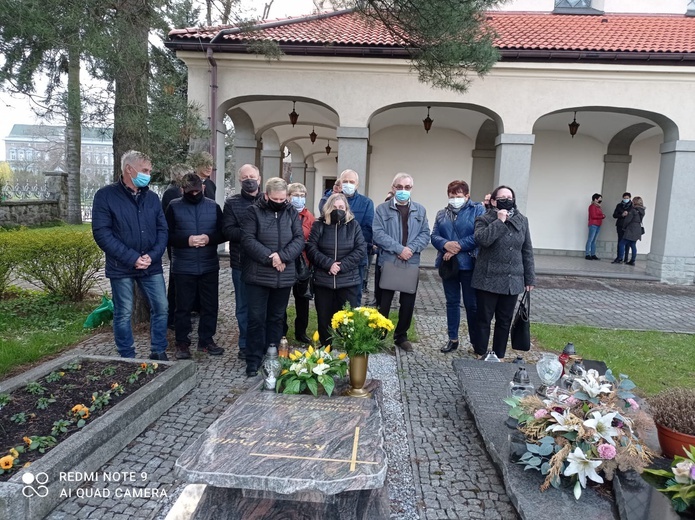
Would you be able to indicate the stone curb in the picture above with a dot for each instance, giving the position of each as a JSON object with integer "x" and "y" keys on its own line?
{"x": 87, "y": 450}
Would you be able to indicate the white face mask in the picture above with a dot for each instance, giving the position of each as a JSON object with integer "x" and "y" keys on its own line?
{"x": 457, "y": 202}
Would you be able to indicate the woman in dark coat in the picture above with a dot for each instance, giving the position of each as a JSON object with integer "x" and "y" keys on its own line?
{"x": 271, "y": 241}
{"x": 504, "y": 267}
{"x": 632, "y": 230}
{"x": 335, "y": 248}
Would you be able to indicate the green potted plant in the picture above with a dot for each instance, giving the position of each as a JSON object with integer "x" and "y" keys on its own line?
{"x": 673, "y": 411}
{"x": 359, "y": 332}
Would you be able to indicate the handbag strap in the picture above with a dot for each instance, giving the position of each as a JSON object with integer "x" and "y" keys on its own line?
{"x": 526, "y": 301}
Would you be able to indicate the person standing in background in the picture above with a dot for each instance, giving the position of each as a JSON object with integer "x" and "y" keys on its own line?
{"x": 202, "y": 162}
{"x": 596, "y": 217}
{"x": 620, "y": 212}
{"x": 632, "y": 230}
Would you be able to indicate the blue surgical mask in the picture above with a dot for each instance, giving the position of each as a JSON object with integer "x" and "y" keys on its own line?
{"x": 141, "y": 180}
{"x": 457, "y": 202}
{"x": 298, "y": 202}
{"x": 625, "y": 201}
{"x": 402, "y": 195}
{"x": 348, "y": 189}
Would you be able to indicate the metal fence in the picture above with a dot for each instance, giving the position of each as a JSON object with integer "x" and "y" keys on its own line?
{"x": 25, "y": 192}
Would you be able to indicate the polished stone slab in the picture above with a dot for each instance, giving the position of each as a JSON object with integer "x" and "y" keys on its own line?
{"x": 287, "y": 444}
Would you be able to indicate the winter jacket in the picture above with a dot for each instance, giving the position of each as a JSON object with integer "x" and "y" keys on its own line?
{"x": 505, "y": 258}
{"x": 342, "y": 242}
{"x": 235, "y": 210}
{"x": 209, "y": 188}
{"x": 388, "y": 231}
{"x": 618, "y": 213}
{"x": 307, "y": 219}
{"x": 596, "y": 215}
{"x": 264, "y": 232}
{"x": 632, "y": 224}
{"x": 363, "y": 209}
{"x": 172, "y": 192}
{"x": 457, "y": 227}
{"x": 185, "y": 219}
{"x": 126, "y": 226}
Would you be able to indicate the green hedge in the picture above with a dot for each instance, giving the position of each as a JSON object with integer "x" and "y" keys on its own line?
{"x": 9, "y": 258}
{"x": 63, "y": 261}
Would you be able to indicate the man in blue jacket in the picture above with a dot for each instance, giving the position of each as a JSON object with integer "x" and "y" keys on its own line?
{"x": 128, "y": 225}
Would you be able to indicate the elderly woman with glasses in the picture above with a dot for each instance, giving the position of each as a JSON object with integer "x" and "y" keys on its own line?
{"x": 504, "y": 267}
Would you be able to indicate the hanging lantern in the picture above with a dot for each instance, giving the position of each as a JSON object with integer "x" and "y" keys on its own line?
{"x": 328, "y": 147}
{"x": 312, "y": 135}
{"x": 294, "y": 116}
{"x": 574, "y": 126}
{"x": 428, "y": 121}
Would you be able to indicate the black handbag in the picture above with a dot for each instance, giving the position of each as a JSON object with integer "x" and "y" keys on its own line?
{"x": 303, "y": 271}
{"x": 521, "y": 326}
{"x": 449, "y": 269}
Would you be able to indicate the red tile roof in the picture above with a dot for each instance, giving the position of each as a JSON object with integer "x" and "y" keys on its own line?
{"x": 516, "y": 31}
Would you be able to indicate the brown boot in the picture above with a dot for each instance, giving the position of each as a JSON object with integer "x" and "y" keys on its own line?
{"x": 182, "y": 351}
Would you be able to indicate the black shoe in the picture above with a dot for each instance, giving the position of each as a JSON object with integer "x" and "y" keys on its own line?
{"x": 588, "y": 257}
{"x": 211, "y": 349}
{"x": 630, "y": 263}
{"x": 450, "y": 347}
{"x": 159, "y": 356}
{"x": 617, "y": 261}
{"x": 594, "y": 257}
{"x": 251, "y": 372}
{"x": 182, "y": 351}
{"x": 371, "y": 303}
{"x": 405, "y": 345}
{"x": 303, "y": 338}
{"x": 241, "y": 354}
{"x": 171, "y": 326}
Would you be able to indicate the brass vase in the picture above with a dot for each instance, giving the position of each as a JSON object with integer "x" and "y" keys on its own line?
{"x": 358, "y": 376}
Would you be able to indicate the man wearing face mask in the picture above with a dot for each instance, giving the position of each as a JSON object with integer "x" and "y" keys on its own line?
{"x": 128, "y": 224}
{"x": 401, "y": 232}
{"x": 621, "y": 210}
{"x": 235, "y": 210}
{"x": 195, "y": 230}
{"x": 452, "y": 236}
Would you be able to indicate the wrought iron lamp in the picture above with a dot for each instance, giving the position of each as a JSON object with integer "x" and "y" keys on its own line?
{"x": 294, "y": 116}
{"x": 574, "y": 126}
{"x": 428, "y": 121}
{"x": 328, "y": 147}
{"x": 312, "y": 135}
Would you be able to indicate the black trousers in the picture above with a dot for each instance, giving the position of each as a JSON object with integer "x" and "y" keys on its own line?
{"x": 266, "y": 306}
{"x": 377, "y": 279}
{"x": 301, "y": 307}
{"x": 171, "y": 293}
{"x": 405, "y": 311}
{"x": 501, "y": 306}
{"x": 328, "y": 301}
{"x": 190, "y": 288}
{"x": 621, "y": 232}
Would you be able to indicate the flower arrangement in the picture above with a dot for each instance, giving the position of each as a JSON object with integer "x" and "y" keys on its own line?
{"x": 679, "y": 483}
{"x": 360, "y": 331}
{"x": 310, "y": 369}
{"x": 584, "y": 434}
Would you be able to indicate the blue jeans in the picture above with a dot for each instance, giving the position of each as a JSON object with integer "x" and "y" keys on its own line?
{"x": 154, "y": 290}
{"x": 590, "y": 249}
{"x": 453, "y": 289}
{"x": 242, "y": 308}
{"x": 625, "y": 244}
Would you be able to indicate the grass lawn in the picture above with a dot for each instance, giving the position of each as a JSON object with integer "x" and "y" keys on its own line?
{"x": 291, "y": 313}
{"x": 653, "y": 360}
{"x": 34, "y": 325}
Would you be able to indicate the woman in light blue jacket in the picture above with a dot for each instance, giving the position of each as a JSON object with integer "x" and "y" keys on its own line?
{"x": 452, "y": 236}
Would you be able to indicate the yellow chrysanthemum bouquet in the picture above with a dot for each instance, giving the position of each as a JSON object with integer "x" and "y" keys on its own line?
{"x": 360, "y": 331}
{"x": 311, "y": 369}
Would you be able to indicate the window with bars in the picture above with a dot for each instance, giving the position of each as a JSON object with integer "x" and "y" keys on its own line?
{"x": 577, "y": 3}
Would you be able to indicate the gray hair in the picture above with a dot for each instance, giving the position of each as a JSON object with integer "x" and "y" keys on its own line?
{"x": 350, "y": 171}
{"x": 275, "y": 184}
{"x": 177, "y": 171}
{"x": 296, "y": 186}
{"x": 246, "y": 167}
{"x": 329, "y": 206}
{"x": 133, "y": 156}
{"x": 400, "y": 176}
{"x": 201, "y": 159}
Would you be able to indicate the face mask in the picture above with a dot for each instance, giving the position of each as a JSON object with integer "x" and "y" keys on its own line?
{"x": 277, "y": 206}
{"x": 337, "y": 215}
{"x": 507, "y": 204}
{"x": 349, "y": 189}
{"x": 457, "y": 202}
{"x": 402, "y": 195}
{"x": 193, "y": 199}
{"x": 249, "y": 185}
{"x": 625, "y": 201}
{"x": 298, "y": 202}
{"x": 141, "y": 180}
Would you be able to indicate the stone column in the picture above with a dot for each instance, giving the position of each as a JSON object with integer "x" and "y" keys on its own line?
{"x": 672, "y": 256}
{"x": 513, "y": 164}
{"x": 271, "y": 164}
{"x": 352, "y": 150}
{"x": 310, "y": 183}
{"x": 615, "y": 171}
{"x": 246, "y": 151}
{"x": 483, "y": 174}
{"x": 298, "y": 172}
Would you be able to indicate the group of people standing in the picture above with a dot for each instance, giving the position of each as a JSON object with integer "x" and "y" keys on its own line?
{"x": 629, "y": 216}
{"x": 277, "y": 247}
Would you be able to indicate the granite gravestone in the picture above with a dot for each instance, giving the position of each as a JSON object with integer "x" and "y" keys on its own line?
{"x": 324, "y": 454}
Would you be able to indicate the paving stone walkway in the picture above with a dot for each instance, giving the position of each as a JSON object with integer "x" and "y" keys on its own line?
{"x": 451, "y": 472}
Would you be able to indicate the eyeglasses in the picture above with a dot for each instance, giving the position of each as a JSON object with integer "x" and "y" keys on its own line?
{"x": 399, "y": 187}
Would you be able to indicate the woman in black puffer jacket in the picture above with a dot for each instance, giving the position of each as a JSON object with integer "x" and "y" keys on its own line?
{"x": 335, "y": 248}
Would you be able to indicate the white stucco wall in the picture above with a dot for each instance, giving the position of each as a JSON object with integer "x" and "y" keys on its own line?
{"x": 433, "y": 160}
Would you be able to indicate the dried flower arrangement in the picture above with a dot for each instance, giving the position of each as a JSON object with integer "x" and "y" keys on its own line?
{"x": 675, "y": 409}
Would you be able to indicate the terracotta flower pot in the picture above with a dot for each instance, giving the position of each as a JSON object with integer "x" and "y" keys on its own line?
{"x": 673, "y": 442}
{"x": 358, "y": 375}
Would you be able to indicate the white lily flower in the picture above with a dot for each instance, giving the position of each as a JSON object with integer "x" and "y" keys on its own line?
{"x": 582, "y": 467}
{"x": 562, "y": 425}
{"x": 303, "y": 370}
{"x": 603, "y": 425}
{"x": 321, "y": 369}
{"x": 593, "y": 388}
